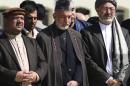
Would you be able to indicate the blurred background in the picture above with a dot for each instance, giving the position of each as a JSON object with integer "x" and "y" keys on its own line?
{"x": 123, "y": 10}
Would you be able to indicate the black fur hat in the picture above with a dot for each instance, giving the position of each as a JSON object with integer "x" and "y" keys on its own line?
{"x": 99, "y": 2}
{"x": 63, "y": 5}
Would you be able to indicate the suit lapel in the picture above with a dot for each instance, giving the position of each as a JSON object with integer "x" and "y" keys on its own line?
{"x": 28, "y": 47}
{"x": 98, "y": 34}
{"x": 5, "y": 42}
{"x": 75, "y": 44}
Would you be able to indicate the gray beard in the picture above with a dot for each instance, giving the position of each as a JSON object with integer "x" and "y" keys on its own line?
{"x": 64, "y": 28}
{"x": 105, "y": 21}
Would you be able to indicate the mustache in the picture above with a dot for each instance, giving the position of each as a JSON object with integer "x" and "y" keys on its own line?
{"x": 108, "y": 15}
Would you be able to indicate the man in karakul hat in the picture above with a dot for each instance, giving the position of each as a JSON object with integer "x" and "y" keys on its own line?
{"x": 13, "y": 11}
{"x": 107, "y": 44}
{"x": 63, "y": 49}
{"x": 22, "y": 62}
{"x": 99, "y": 2}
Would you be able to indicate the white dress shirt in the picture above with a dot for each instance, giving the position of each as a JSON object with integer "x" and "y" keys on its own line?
{"x": 107, "y": 36}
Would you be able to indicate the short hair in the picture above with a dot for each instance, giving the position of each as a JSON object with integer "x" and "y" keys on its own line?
{"x": 40, "y": 11}
{"x": 83, "y": 10}
{"x": 63, "y": 5}
{"x": 28, "y": 5}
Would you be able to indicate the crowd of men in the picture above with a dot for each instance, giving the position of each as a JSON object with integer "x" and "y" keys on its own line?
{"x": 69, "y": 52}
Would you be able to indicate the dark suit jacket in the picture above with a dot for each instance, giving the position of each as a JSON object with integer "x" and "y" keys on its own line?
{"x": 126, "y": 23}
{"x": 9, "y": 64}
{"x": 95, "y": 51}
{"x": 45, "y": 40}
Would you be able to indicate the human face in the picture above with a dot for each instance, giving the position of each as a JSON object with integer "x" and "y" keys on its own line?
{"x": 106, "y": 13}
{"x": 72, "y": 7}
{"x": 73, "y": 17}
{"x": 63, "y": 19}
{"x": 14, "y": 24}
{"x": 30, "y": 20}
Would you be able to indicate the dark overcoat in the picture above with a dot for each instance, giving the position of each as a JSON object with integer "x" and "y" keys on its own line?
{"x": 95, "y": 51}
{"x": 45, "y": 40}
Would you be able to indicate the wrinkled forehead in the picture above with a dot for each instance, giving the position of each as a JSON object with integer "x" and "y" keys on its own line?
{"x": 63, "y": 13}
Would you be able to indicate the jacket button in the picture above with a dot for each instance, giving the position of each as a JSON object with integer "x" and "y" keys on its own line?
{"x": 69, "y": 70}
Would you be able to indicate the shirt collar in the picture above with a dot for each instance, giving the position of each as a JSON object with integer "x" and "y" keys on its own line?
{"x": 103, "y": 26}
{"x": 10, "y": 36}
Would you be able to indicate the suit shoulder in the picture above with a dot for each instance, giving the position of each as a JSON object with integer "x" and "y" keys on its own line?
{"x": 45, "y": 34}
{"x": 125, "y": 30}
{"x": 76, "y": 33}
{"x": 93, "y": 27}
{"x": 32, "y": 40}
{"x": 89, "y": 29}
{"x": 47, "y": 30}
{"x": 125, "y": 23}
{"x": 28, "y": 37}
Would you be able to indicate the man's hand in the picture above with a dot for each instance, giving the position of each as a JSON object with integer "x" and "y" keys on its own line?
{"x": 20, "y": 76}
{"x": 114, "y": 83}
{"x": 32, "y": 76}
{"x": 72, "y": 83}
{"x": 26, "y": 77}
